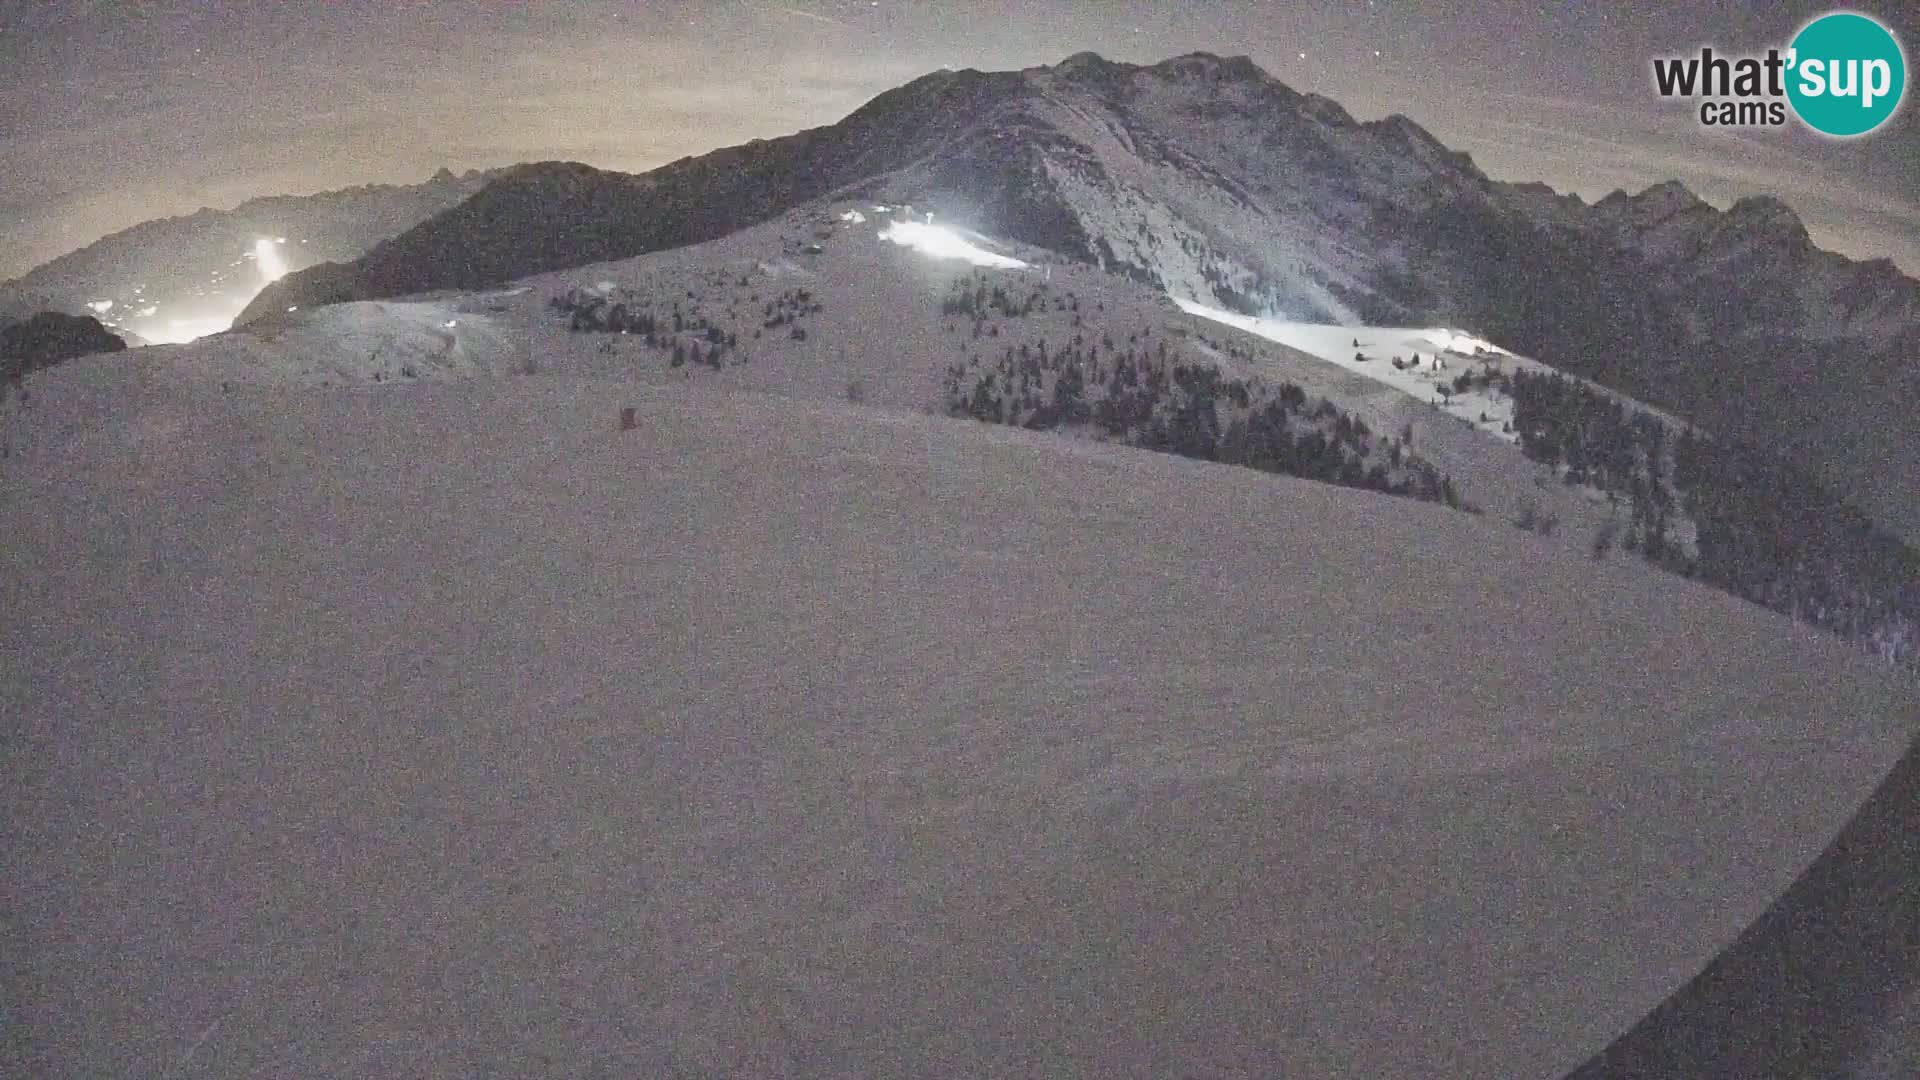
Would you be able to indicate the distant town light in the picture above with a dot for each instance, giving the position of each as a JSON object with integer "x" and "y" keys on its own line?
{"x": 180, "y": 331}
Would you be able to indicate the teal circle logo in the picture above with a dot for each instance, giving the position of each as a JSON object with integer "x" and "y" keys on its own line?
{"x": 1847, "y": 74}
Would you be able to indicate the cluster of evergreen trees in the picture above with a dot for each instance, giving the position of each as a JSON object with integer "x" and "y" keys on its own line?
{"x": 787, "y": 310}
{"x": 1764, "y": 530}
{"x": 978, "y": 297}
{"x": 1153, "y": 399}
{"x": 1595, "y": 440}
{"x": 1769, "y": 532}
{"x": 981, "y": 300}
{"x": 688, "y": 338}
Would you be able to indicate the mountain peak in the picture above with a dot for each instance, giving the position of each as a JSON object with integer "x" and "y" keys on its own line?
{"x": 1211, "y": 65}
{"x": 1405, "y": 130}
{"x": 1086, "y": 60}
{"x": 1089, "y": 68}
{"x": 1766, "y": 210}
{"x": 1669, "y": 195}
{"x": 1766, "y": 220}
{"x": 1659, "y": 202}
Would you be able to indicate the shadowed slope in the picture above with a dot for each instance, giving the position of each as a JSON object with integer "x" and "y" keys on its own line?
{"x": 1815, "y": 986}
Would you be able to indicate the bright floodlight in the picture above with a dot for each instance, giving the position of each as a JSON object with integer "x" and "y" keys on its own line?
{"x": 1463, "y": 343}
{"x": 267, "y": 257}
{"x": 942, "y": 243}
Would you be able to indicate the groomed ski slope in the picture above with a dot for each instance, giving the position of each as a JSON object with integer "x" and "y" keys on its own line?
{"x": 1430, "y": 358}
{"x": 1433, "y": 357}
{"x": 445, "y": 730}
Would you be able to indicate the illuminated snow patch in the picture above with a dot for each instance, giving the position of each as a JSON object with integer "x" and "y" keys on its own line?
{"x": 100, "y": 307}
{"x": 1376, "y": 352}
{"x": 854, "y": 216}
{"x": 272, "y": 266}
{"x": 942, "y": 243}
{"x": 1461, "y": 343}
{"x": 1243, "y": 322}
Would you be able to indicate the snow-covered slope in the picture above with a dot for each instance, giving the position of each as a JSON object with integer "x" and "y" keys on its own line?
{"x": 1424, "y": 363}
{"x": 373, "y": 341}
{"x": 872, "y": 326}
{"x": 451, "y": 730}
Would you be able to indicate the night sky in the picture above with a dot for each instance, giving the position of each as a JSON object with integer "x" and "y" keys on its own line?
{"x": 116, "y": 111}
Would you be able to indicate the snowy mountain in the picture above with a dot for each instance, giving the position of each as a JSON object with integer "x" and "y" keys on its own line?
{"x": 1207, "y": 178}
{"x": 177, "y": 278}
{"x": 870, "y": 301}
{"x": 524, "y": 652}
{"x": 843, "y": 299}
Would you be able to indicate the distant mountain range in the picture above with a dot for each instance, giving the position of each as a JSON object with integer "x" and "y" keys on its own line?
{"x": 179, "y": 276}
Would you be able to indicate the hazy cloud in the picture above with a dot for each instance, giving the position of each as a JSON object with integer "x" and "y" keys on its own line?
{"x": 113, "y": 113}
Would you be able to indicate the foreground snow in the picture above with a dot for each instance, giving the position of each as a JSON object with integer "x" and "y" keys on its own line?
{"x": 455, "y": 732}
